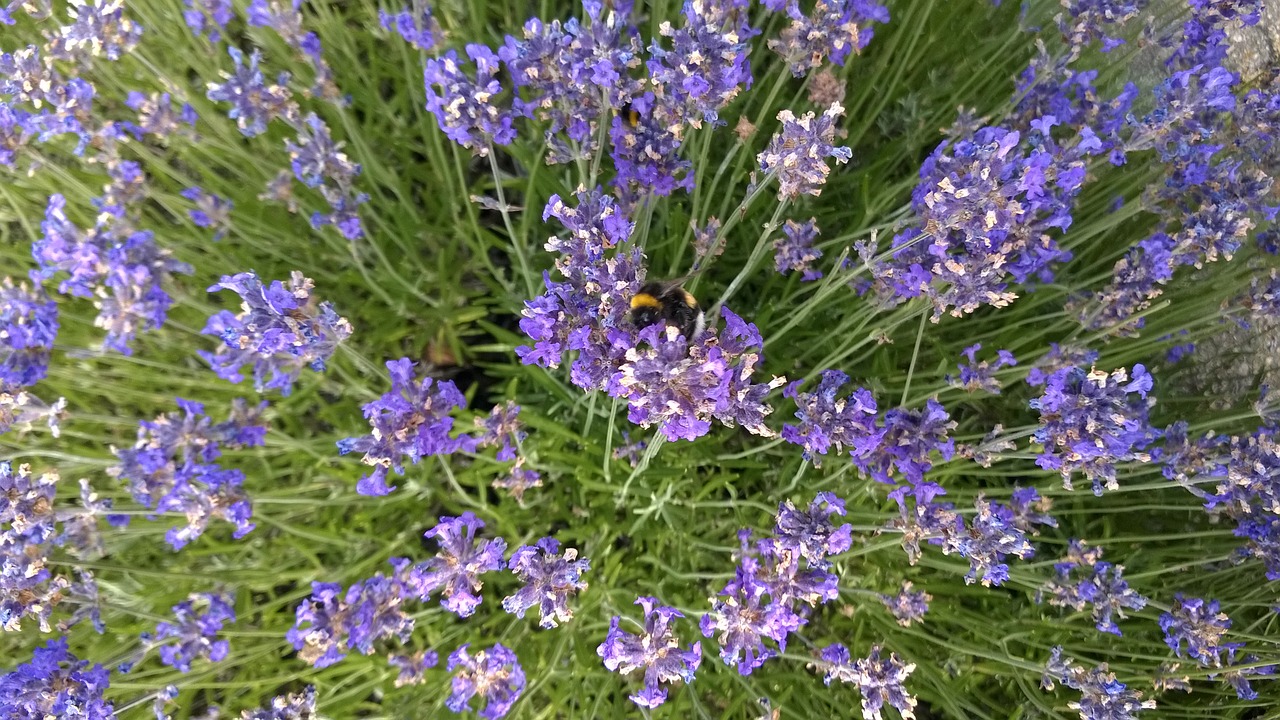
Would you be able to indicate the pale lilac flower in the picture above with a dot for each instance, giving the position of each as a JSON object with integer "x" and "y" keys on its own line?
{"x": 210, "y": 211}
{"x": 1102, "y": 697}
{"x": 415, "y": 24}
{"x": 812, "y": 531}
{"x": 98, "y": 28}
{"x": 21, "y": 409}
{"x": 1082, "y": 581}
{"x": 656, "y": 651}
{"x": 907, "y": 605}
{"x": 798, "y": 153}
{"x": 550, "y": 579}
{"x": 880, "y": 680}
{"x": 294, "y": 706}
{"x": 795, "y": 252}
{"x": 456, "y": 569}
{"x": 254, "y": 101}
{"x": 413, "y": 667}
{"x": 208, "y": 17}
{"x": 467, "y": 110}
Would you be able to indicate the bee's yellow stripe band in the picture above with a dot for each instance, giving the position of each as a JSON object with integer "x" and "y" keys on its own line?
{"x": 644, "y": 300}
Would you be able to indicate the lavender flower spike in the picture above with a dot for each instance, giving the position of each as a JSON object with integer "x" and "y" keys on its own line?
{"x": 280, "y": 330}
{"x": 879, "y": 680}
{"x": 54, "y": 681}
{"x": 193, "y": 634}
{"x": 798, "y": 153}
{"x": 550, "y": 580}
{"x": 656, "y": 651}
{"x": 28, "y": 327}
{"x": 493, "y": 675}
{"x": 457, "y": 567}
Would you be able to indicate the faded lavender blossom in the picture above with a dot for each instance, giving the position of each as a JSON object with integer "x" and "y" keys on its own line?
{"x": 798, "y": 153}
{"x": 986, "y": 208}
{"x": 656, "y": 651}
{"x": 907, "y": 605}
{"x": 1030, "y": 509}
{"x": 1238, "y": 677}
{"x": 123, "y": 269}
{"x": 413, "y": 667}
{"x": 54, "y": 683}
{"x": 706, "y": 67}
{"x": 172, "y": 467}
{"x": 318, "y": 162}
{"x": 208, "y": 17}
{"x": 21, "y": 409}
{"x": 156, "y": 115}
{"x": 826, "y": 421}
{"x": 28, "y": 328}
{"x": 1059, "y": 357}
{"x": 519, "y": 480}
{"x": 812, "y": 532}
{"x": 254, "y": 101}
{"x": 456, "y": 568}
{"x": 988, "y": 450}
{"x": 881, "y": 680}
{"x": 981, "y": 375}
{"x": 549, "y": 578}
{"x": 1102, "y": 697}
{"x": 1087, "y": 20}
{"x": 414, "y": 23}
{"x": 331, "y": 622}
{"x": 825, "y": 88}
{"x": 280, "y": 329}
{"x": 1196, "y": 627}
{"x": 99, "y": 28}
{"x": 1082, "y": 580}
{"x": 294, "y": 706}
{"x": 705, "y": 241}
{"x": 468, "y": 111}
{"x": 1091, "y": 421}
{"x": 501, "y": 427}
{"x": 411, "y": 421}
{"x": 28, "y": 529}
{"x": 193, "y": 634}
{"x": 741, "y": 619}
{"x": 833, "y": 30}
{"x": 166, "y": 695}
{"x": 646, "y": 154}
{"x": 80, "y": 534}
{"x": 986, "y": 541}
{"x": 795, "y": 252}
{"x": 211, "y": 211}
{"x": 285, "y": 17}
{"x": 493, "y": 675}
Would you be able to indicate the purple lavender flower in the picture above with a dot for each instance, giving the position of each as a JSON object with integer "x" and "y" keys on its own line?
{"x": 410, "y": 421}
{"x": 456, "y": 569}
{"x": 742, "y": 620}
{"x": 21, "y": 409}
{"x": 907, "y": 605}
{"x": 467, "y": 110}
{"x": 991, "y": 536}
{"x": 907, "y": 439}
{"x": 80, "y": 532}
{"x": 981, "y": 375}
{"x": 1102, "y": 697}
{"x": 26, "y": 503}
{"x": 880, "y": 680}
{"x": 285, "y": 17}
{"x": 1238, "y": 677}
{"x": 294, "y": 706}
{"x": 53, "y": 683}
{"x": 318, "y": 162}
{"x": 281, "y": 328}
{"x": 98, "y": 28}
{"x": 834, "y": 29}
{"x": 656, "y": 650}
{"x": 416, "y": 25}
{"x": 121, "y": 267}
{"x": 210, "y": 211}
{"x": 208, "y": 17}
{"x": 826, "y": 421}
{"x": 28, "y": 328}
{"x": 518, "y": 480}
{"x": 1059, "y": 357}
{"x": 171, "y": 467}
{"x": 27, "y": 586}
{"x": 493, "y": 675}
{"x": 985, "y": 209}
{"x": 775, "y": 564}
{"x": 646, "y": 154}
{"x": 1087, "y": 20}
{"x": 1030, "y": 509}
{"x": 811, "y": 531}
{"x": 254, "y": 101}
{"x": 707, "y": 65}
{"x": 330, "y": 621}
{"x": 413, "y": 667}
{"x": 796, "y": 252}
{"x": 502, "y": 427}
{"x": 549, "y": 581}
{"x": 1083, "y": 580}
{"x": 156, "y": 115}
{"x": 1200, "y": 626}
{"x": 1091, "y": 421}
{"x": 193, "y": 633}
{"x": 798, "y": 153}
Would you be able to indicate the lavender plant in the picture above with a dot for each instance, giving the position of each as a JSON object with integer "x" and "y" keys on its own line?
{"x": 959, "y": 263}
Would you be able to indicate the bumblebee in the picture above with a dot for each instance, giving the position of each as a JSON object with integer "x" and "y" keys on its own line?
{"x": 630, "y": 115}
{"x": 670, "y": 303}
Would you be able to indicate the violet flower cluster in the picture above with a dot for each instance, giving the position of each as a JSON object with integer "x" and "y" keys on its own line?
{"x": 1102, "y": 697}
{"x": 655, "y": 651}
{"x": 987, "y": 208}
{"x": 22, "y": 410}
{"x": 981, "y": 375}
{"x": 1082, "y": 580}
{"x": 797, "y": 154}
{"x": 1195, "y": 628}
{"x": 493, "y": 675}
{"x": 280, "y": 329}
{"x": 210, "y": 211}
{"x": 880, "y": 680}
{"x": 831, "y": 31}
{"x": 795, "y": 251}
{"x": 285, "y": 17}
{"x": 1091, "y": 421}
{"x": 772, "y": 593}
{"x": 466, "y": 105}
{"x": 56, "y": 684}
{"x": 194, "y": 634}
{"x": 550, "y": 579}
{"x": 331, "y": 623}
{"x": 415, "y": 24}
{"x": 121, "y": 267}
{"x": 172, "y": 467}
{"x": 28, "y": 328}
{"x": 292, "y": 706}
{"x": 908, "y": 605}
{"x": 455, "y": 570}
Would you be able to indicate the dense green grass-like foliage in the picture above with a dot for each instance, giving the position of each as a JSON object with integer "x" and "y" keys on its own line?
{"x": 443, "y": 279}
